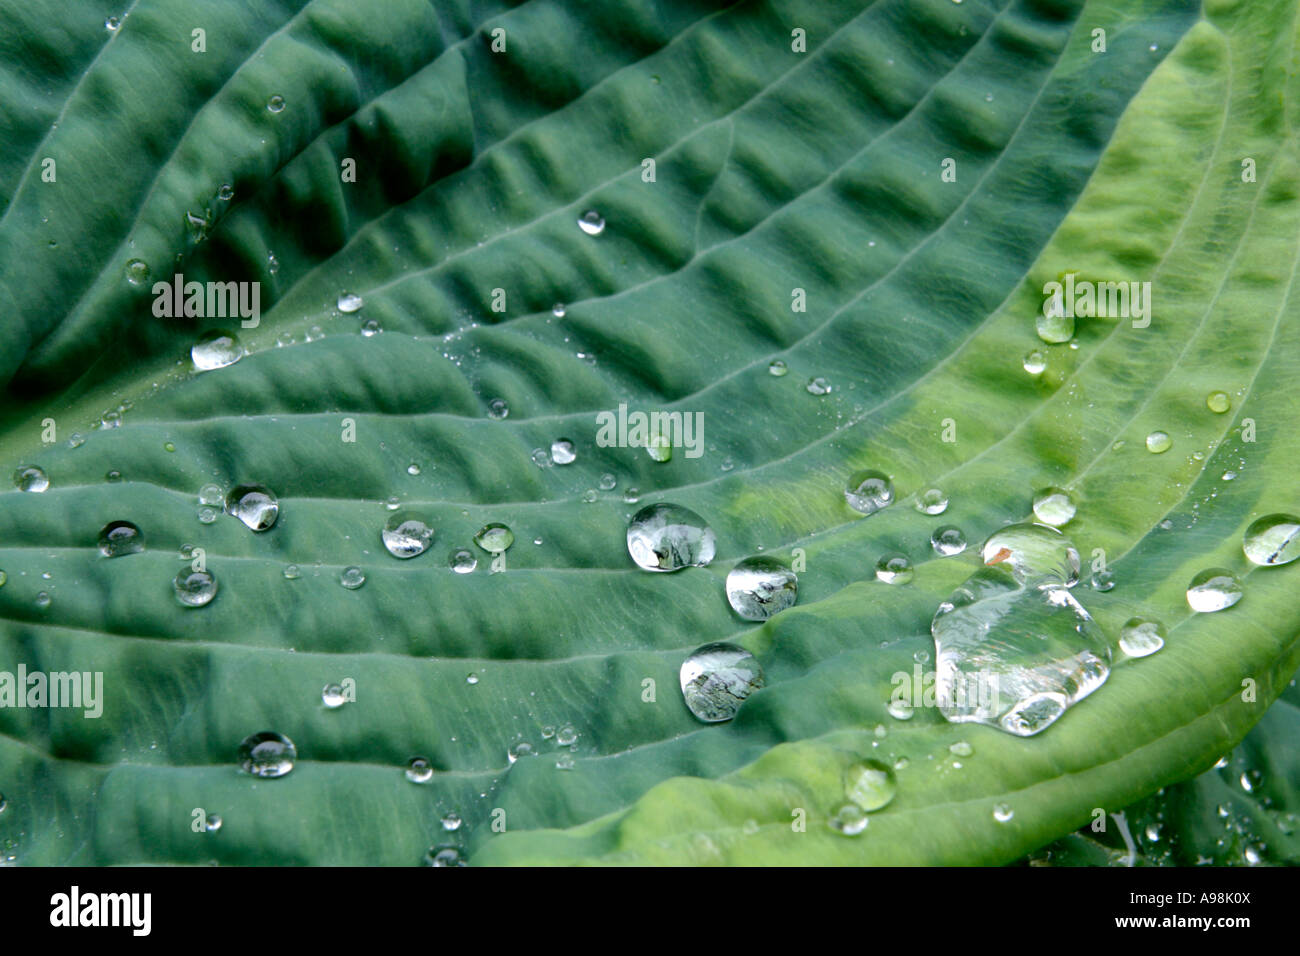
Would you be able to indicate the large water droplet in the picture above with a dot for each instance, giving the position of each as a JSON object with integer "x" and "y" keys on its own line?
{"x": 1012, "y": 656}
{"x": 494, "y": 538}
{"x": 758, "y": 588}
{"x": 268, "y": 754}
{"x": 1273, "y": 539}
{"x": 666, "y": 537}
{"x": 948, "y": 541}
{"x": 592, "y": 223}
{"x": 407, "y": 534}
{"x": 1055, "y": 326}
{"x": 216, "y": 349}
{"x": 870, "y": 785}
{"x": 195, "y": 588}
{"x": 1159, "y": 442}
{"x": 349, "y": 302}
{"x": 255, "y": 505}
{"x": 31, "y": 478}
{"x": 894, "y": 569}
{"x": 120, "y": 537}
{"x": 1033, "y": 552}
{"x": 716, "y": 678}
{"x": 1053, "y": 506}
{"x": 1141, "y": 638}
{"x": 868, "y": 491}
{"x": 1213, "y": 590}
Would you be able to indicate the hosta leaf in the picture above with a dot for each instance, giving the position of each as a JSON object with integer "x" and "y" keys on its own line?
{"x": 779, "y": 178}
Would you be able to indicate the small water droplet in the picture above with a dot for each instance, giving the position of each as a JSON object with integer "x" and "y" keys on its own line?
{"x": 212, "y": 822}
{"x": 557, "y": 310}
{"x": 137, "y": 272}
{"x": 590, "y": 496}
{"x": 112, "y": 24}
{"x": 667, "y": 537}
{"x": 371, "y": 328}
{"x": 463, "y": 561}
{"x": 444, "y": 856}
{"x": 272, "y": 263}
{"x": 451, "y": 821}
{"x": 352, "y": 578}
{"x": 868, "y": 491}
{"x": 333, "y": 696}
{"x": 1003, "y": 813}
{"x": 498, "y": 408}
{"x": 608, "y": 482}
{"x": 1272, "y": 540}
{"x": 419, "y": 770}
{"x": 113, "y": 475}
{"x": 566, "y": 736}
{"x": 31, "y": 478}
{"x": 226, "y": 192}
{"x": 1214, "y": 589}
{"x": 471, "y": 679}
{"x": 275, "y": 104}
{"x": 819, "y": 386}
{"x": 1055, "y": 327}
{"x": 267, "y": 755}
{"x": 1159, "y": 442}
{"x": 932, "y": 501}
{"x": 1218, "y": 402}
{"x": 961, "y": 749}
{"x": 849, "y": 820}
{"x": 494, "y": 538}
{"x": 900, "y": 709}
{"x": 413, "y": 469}
{"x": 216, "y": 349}
{"x": 43, "y": 599}
{"x": 562, "y": 452}
{"x": 1141, "y": 638}
{"x": 195, "y": 588}
{"x": 120, "y": 537}
{"x": 777, "y": 368}
{"x": 592, "y": 223}
{"x": 407, "y": 534}
{"x": 894, "y": 568}
{"x": 255, "y": 505}
{"x": 758, "y": 588}
{"x": 1035, "y": 362}
{"x": 948, "y": 541}
{"x": 717, "y": 678}
{"x": 1053, "y": 506}
{"x": 1102, "y": 579}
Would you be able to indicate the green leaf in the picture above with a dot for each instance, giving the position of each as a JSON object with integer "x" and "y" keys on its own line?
{"x": 774, "y": 171}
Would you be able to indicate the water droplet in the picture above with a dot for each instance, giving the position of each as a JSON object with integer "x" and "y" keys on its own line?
{"x": 226, "y": 192}
{"x": 212, "y": 822}
{"x": 540, "y": 458}
{"x": 608, "y": 482}
{"x": 1213, "y": 590}
{"x": 566, "y": 736}
{"x": 3, "y": 578}
{"x": 1218, "y": 402}
{"x": 1053, "y": 506}
{"x": 948, "y": 541}
{"x": 1035, "y": 363}
{"x": 1002, "y": 813}
{"x": 494, "y": 538}
{"x": 444, "y": 856}
{"x": 113, "y": 475}
{"x": 120, "y": 537}
{"x": 451, "y": 821}
{"x": 716, "y": 678}
{"x": 463, "y": 561}
{"x": 195, "y": 588}
{"x": 849, "y": 820}
{"x": 352, "y": 578}
{"x": 1273, "y": 540}
{"x": 272, "y": 263}
{"x": 498, "y": 408}
{"x": 211, "y": 494}
{"x": 471, "y": 679}
{"x": 667, "y": 537}
{"x": 1033, "y": 552}
{"x": 1056, "y": 327}
{"x": 31, "y": 478}
{"x": 1102, "y": 580}
{"x": 1141, "y": 638}
{"x": 255, "y": 505}
{"x": 562, "y": 452}
{"x": 557, "y": 310}
{"x": 632, "y": 496}
{"x": 419, "y": 770}
{"x": 659, "y": 447}
{"x": 932, "y": 501}
{"x": 758, "y": 588}
{"x": 819, "y": 386}
{"x": 268, "y": 754}
{"x": 961, "y": 749}
{"x": 592, "y": 223}
{"x": 413, "y": 469}
{"x": 111, "y": 24}
{"x": 894, "y": 568}
{"x": 137, "y": 272}
{"x": 1014, "y": 656}
{"x": 868, "y": 491}
{"x": 1159, "y": 442}
{"x": 216, "y": 349}
{"x": 777, "y": 368}
{"x": 393, "y": 503}
{"x": 275, "y": 104}
{"x": 333, "y": 696}
{"x": 76, "y": 441}
{"x": 370, "y": 328}
{"x": 870, "y": 785}
{"x": 407, "y": 534}
{"x": 43, "y": 599}
{"x": 900, "y": 709}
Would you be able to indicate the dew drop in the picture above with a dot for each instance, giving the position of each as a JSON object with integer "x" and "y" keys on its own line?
{"x": 1033, "y": 553}
{"x": 268, "y": 754}
{"x": 1035, "y": 363}
{"x": 1213, "y": 590}
{"x": 1003, "y": 813}
{"x": 216, "y": 349}
{"x": 558, "y": 310}
{"x": 1055, "y": 328}
{"x": 961, "y": 749}
{"x": 900, "y": 709}
{"x": 352, "y": 578}
{"x": 562, "y": 452}
{"x": 120, "y": 537}
{"x": 31, "y": 478}
{"x": 566, "y": 736}
{"x": 717, "y": 678}
{"x": 868, "y": 491}
{"x": 498, "y": 408}
{"x": 463, "y": 561}
{"x": 212, "y": 822}
{"x": 195, "y": 588}
{"x": 1218, "y": 402}
{"x": 608, "y": 482}
{"x": 371, "y": 328}
{"x": 112, "y": 24}
{"x": 932, "y": 501}
{"x": 1141, "y": 638}
{"x": 948, "y": 541}
{"x": 211, "y": 494}
{"x": 255, "y": 505}
{"x": 407, "y": 534}
{"x": 819, "y": 386}
{"x": 1053, "y": 506}
{"x": 894, "y": 568}
{"x": 43, "y": 599}
{"x": 1102, "y": 580}
{"x": 333, "y": 696}
{"x": 494, "y": 538}
{"x": 451, "y": 821}
{"x": 870, "y": 785}
{"x": 275, "y": 104}
{"x": 1159, "y": 442}
{"x": 413, "y": 469}
{"x": 592, "y": 223}
{"x": 667, "y": 537}
{"x": 444, "y": 856}
{"x": 758, "y": 588}
{"x": 137, "y": 272}
{"x": 1272, "y": 540}
{"x": 849, "y": 820}
{"x": 777, "y": 368}
{"x": 226, "y": 192}
{"x": 419, "y": 770}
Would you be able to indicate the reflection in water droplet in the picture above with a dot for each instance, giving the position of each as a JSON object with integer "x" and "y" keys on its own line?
{"x": 961, "y": 749}
{"x": 268, "y": 754}
{"x": 352, "y": 578}
{"x": 1218, "y": 402}
{"x": 1035, "y": 363}
{"x": 1214, "y": 589}
{"x": 1159, "y": 442}
{"x": 463, "y": 561}
{"x": 849, "y": 820}
{"x": 120, "y": 537}
{"x": 451, "y": 821}
{"x": 419, "y": 770}
{"x": 894, "y": 568}
{"x": 212, "y": 822}
{"x": 43, "y": 599}
{"x": 558, "y": 310}
{"x": 868, "y": 491}
{"x": 1273, "y": 540}
{"x": 31, "y": 478}
{"x": 667, "y": 537}
{"x": 349, "y": 302}
{"x": 870, "y": 785}
{"x": 592, "y": 223}
{"x": 498, "y": 408}
{"x": 948, "y": 541}
{"x": 195, "y": 588}
{"x": 1141, "y": 638}
{"x": 111, "y": 24}
{"x": 333, "y": 696}
{"x": 137, "y": 272}
{"x": 757, "y": 588}
{"x": 407, "y": 534}
{"x": 494, "y": 538}
{"x": 216, "y": 349}
{"x": 932, "y": 501}
{"x": 255, "y": 505}
{"x": 716, "y": 678}
{"x": 1033, "y": 552}
{"x": 562, "y": 452}
{"x": 1053, "y": 506}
